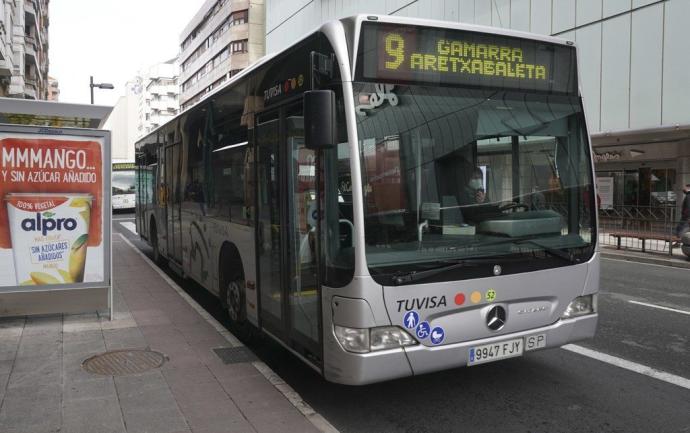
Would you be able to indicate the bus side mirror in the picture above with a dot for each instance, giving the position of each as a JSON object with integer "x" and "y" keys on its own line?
{"x": 319, "y": 119}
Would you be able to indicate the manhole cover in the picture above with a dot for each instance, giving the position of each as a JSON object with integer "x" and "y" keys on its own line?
{"x": 123, "y": 362}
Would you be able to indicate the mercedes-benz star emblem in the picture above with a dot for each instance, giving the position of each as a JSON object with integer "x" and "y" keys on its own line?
{"x": 496, "y": 318}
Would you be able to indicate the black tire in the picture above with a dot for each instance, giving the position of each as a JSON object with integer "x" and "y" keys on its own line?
{"x": 233, "y": 296}
{"x": 153, "y": 234}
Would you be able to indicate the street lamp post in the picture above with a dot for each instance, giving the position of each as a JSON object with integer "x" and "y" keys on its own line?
{"x": 98, "y": 85}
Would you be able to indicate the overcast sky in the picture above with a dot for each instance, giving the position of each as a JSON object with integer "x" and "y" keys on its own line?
{"x": 111, "y": 40}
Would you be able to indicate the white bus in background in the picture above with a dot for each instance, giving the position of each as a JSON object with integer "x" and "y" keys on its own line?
{"x": 123, "y": 185}
{"x": 387, "y": 197}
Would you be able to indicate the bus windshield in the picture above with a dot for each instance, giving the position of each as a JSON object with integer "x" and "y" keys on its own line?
{"x": 453, "y": 174}
{"x": 123, "y": 182}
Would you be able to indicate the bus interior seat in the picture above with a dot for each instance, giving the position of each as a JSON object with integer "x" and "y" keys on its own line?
{"x": 450, "y": 211}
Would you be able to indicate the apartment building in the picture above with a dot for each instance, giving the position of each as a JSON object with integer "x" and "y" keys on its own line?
{"x": 53, "y": 89}
{"x": 24, "y": 49}
{"x": 150, "y": 100}
{"x": 159, "y": 100}
{"x": 224, "y": 37}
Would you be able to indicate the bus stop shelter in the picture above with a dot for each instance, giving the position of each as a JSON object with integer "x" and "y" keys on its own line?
{"x": 45, "y": 120}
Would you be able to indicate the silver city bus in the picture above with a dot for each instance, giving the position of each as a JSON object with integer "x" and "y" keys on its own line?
{"x": 123, "y": 182}
{"x": 387, "y": 197}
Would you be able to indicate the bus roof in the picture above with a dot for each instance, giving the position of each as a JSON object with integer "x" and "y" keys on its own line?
{"x": 393, "y": 19}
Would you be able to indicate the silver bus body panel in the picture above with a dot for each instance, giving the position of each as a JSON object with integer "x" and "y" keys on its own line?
{"x": 531, "y": 300}
{"x": 201, "y": 250}
{"x": 465, "y": 327}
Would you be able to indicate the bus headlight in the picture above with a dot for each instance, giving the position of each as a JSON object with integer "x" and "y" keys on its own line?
{"x": 390, "y": 337}
{"x": 580, "y": 306}
{"x": 359, "y": 340}
{"x": 353, "y": 339}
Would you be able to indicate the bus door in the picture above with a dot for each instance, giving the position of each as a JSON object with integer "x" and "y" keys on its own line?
{"x": 173, "y": 202}
{"x": 287, "y": 233}
{"x": 161, "y": 209}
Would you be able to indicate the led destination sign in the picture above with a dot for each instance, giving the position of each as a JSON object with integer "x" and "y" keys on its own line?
{"x": 411, "y": 54}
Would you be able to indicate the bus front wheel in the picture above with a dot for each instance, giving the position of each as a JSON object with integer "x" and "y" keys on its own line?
{"x": 153, "y": 234}
{"x": 232, "y": 296}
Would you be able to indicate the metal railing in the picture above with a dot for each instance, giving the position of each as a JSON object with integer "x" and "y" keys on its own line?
{"x": 645, "y": 228}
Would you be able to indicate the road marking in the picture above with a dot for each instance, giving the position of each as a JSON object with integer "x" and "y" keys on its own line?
{"x": 130, "y": 226}
{"x": 675, "y": 310}
{"x": 293, "y": 397}
{"x": 629, "y": 365}
{"x": 645, "y": 263}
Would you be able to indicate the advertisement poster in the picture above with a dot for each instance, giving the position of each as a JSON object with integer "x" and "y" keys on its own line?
{"x": 605, "y": 191}
{"x": 52, "y": 210}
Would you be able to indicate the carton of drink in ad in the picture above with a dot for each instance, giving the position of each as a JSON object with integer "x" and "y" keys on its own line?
{"x": 49, "y": 234}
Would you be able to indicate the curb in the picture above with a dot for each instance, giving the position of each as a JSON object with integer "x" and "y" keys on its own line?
{"x": 676, "y": 263}
{"x": 293, "y": 397}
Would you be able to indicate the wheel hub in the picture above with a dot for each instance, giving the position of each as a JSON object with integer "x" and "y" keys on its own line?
{"x": 233, "y": 300}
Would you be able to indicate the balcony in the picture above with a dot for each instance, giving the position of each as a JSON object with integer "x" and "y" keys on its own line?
{"x": 30, "y": 50}
{"x": 30, "y": 90}
{"x": 5, "y": 67}
{"x": 221, "y": 69}
{"x": 3, "y": 50}
{"x": 30, "y": 8}
{"x": 217, "y": 46}
{"x": 163, "y": 105}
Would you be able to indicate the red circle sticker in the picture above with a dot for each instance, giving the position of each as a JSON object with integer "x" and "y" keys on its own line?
{"x": 459, "y": 299}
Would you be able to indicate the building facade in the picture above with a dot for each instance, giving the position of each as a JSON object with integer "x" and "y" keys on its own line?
{"x": 634, "y": 67}
{"x": 159, "y": 96}
{"x": 224, "y": 37}
{"x": 24, "y": 49}
{"x": 53, "y": 89}
{"x": 151, "y": 99}
{"x": 123, "y": 122}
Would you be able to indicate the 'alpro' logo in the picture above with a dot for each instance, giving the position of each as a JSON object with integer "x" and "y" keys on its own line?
{"x": 45, "y": 223}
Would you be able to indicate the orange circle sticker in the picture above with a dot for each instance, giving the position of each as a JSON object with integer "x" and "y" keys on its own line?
{"x": 475, "y": 297}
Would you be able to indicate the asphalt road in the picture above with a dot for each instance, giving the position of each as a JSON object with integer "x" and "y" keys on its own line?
{"x": 548, "y": 391}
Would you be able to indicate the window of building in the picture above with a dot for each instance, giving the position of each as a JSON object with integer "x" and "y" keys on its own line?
{"x": 239, "y": 46}
{"x": 239, "y": 17}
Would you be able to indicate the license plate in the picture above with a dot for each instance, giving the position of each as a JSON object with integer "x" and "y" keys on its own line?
{"x": 534, "y": 342}
{"x": 495, "y": 351}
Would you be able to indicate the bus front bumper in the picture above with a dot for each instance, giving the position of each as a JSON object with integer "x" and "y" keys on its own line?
{"x": 361, "y": 369}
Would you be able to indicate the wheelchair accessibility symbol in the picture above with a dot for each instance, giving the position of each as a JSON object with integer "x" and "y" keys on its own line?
{"x": 423, "y": 330}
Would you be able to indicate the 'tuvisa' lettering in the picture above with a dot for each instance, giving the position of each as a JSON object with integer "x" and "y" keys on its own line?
{"x": 421, "y": 303}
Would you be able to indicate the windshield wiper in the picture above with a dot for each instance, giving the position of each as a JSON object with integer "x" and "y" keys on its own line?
{"x": 408, "y": 277}
{"x": 569, "y": 257}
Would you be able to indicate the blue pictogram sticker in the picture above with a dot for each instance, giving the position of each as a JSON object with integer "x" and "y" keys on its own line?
{"x": 423, "y": 330}
{"x": 411, "y": 319}
{"x": 437, "y": 335}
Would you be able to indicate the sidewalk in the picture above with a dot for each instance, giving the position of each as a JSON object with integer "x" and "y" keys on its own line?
{"x": 43, "y": 387}
{"x": 678, "y": 259}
